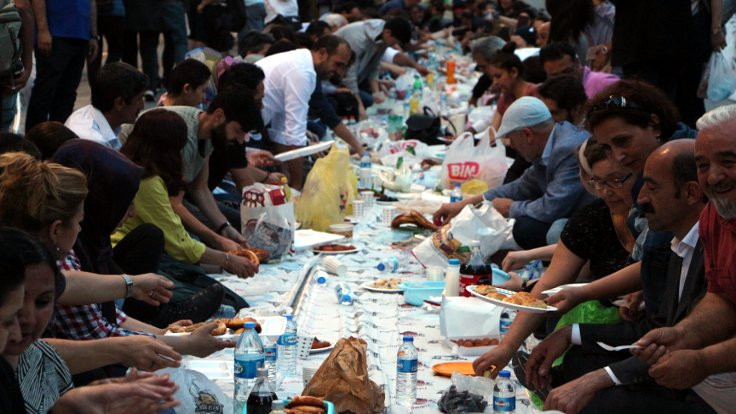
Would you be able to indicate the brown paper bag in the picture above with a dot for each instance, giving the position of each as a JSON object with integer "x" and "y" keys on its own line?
{"x": 343, "y": 380}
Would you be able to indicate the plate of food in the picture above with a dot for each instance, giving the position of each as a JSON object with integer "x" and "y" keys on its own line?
{"x": 253, "y": 255}
{"x": 446, "y": 369}
{"x": 522, "y": 301}
{"x": 226, "y": 328}
{"x": 319, "y": 346}
{"x": 335, "y": 249}
{"x": 389, "y": 285}
{"x": 415, "y": 219}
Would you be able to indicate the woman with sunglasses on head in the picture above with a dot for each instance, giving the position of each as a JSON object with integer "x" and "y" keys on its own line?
{"x": 35, "y": 368}
{"x": 631, "y": 119}
{"x": 595, "y": 242}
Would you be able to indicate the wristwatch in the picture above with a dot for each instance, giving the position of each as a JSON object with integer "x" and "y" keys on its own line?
{"x": 128, "y": 285}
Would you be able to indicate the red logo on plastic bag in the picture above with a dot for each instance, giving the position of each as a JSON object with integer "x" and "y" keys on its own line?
{"x": 463, "y": 170}
{"x": 401, "y": 146}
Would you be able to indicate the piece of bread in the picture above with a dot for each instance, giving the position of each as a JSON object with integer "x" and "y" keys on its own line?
{"x": 305, "y": 409}
{"x": 413, "y": 217}
{"x": 221, "y": 329}
{"x": 306, "y": 400}
{"x": 248, "y": 254}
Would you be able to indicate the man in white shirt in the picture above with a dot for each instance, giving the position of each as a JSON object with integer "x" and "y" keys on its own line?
{"x": 672, "y": 201}
{"x": 117, "y": 98}
{"x": 290, "y": 80}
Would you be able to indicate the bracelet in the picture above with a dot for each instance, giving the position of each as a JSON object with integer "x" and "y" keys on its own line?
{"x": 223, "y": 226}
{"x": 128, "y": 285}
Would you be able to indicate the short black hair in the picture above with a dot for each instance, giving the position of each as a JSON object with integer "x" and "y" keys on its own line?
{"x": 567, "y": 91}
{"x": 281, "y": 46}
{"x": 506, "y": 59}
{"x": 238, "y": 104}
{"x": 330, "y": 43}
{"x": 10, "y": 142}
{"x": 344, "y": 7}
{"x": 317, "y": 28}
{"x": 49, "y": 136}
{"x": 303, "y": 40}
{"x": 189, "y": 71}
{"x": 253, "y": 42}
{"x": 557, "y": 51}
{"x": 116, "y": 80}
{"x": 245, "y": 74}
{"x": 400, "y": 29}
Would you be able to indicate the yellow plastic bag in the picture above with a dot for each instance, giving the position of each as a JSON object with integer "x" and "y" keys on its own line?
{"x": 328, "y": 193}
{"x": 474, "y": 187}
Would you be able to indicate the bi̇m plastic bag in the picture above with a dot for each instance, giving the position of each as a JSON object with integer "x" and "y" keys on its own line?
{"x": 197, "y": 393}
{"x": 465, "y": 161}
{"x": 267, "y": 219}
{"x": 452, "y": 241}
{"x": 722, "y": 79}
{"x": 328, "y": 192}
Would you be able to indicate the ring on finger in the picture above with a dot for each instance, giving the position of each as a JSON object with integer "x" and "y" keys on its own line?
{"x": 151, "y": 293}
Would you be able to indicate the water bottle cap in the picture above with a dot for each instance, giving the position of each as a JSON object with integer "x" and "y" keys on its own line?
{"x": 504, "y": 374}
{"x": 457, "y": 185}
{"x": 381, "y": 267}
{"x": 408, "y": 339}
{"x": 262, "y": 372}
{"x": 346, "y": 298}
{"x": 288, "y": 316}
{"x": 321, "y": 280}
{"x": 249, "y": 325}
{"x": 454, "y": 262}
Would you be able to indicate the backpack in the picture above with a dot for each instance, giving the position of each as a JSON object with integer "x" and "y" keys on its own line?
{"x": 10, "y": 48}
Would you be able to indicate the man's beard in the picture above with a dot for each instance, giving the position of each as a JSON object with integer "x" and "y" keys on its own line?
{"x": 725, "y": 207}
{"x": 219, "y": 137}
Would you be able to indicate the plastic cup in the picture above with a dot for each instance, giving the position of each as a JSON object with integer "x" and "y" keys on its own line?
{"x": 358, "y": 208}
{"x": 389, "y": 212}
{"x": 367, "y": 197}
{"x": 332, "y": 265}
{"x": 303, "y": 346}
{"x": 307, "y": 374}
{"x": 435, "y": 273}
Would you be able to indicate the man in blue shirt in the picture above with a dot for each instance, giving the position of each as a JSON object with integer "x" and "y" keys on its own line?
{"x": 66, "y": 35}
{"x": 548, "y": 190}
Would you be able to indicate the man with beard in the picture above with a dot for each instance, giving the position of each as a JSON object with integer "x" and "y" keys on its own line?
{"x": 699, "y": 352}
{"x": 290, "y": 80}
{"x": 117, "y": 98}
{"x": 593, "y": 380}
{"x": 229, "y": 117}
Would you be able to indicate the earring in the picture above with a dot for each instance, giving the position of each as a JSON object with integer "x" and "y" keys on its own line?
{"x": 57, "y": 250}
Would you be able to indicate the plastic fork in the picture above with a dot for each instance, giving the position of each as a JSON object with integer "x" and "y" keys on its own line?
{"x": 616, "y": 348}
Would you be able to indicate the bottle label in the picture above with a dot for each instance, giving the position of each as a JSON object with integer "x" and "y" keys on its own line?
{"x": 406, "y": 366}
{"x": 504, "y": 325}
{"x": 271, "y": 352}
{"x": 287, "y": 339}
{"x": 504, "y": 404}
{"x": 247, "y": 368}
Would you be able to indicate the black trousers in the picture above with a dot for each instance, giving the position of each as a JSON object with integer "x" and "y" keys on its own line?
{"x": 111, "y": 29}
{"x": 646, "y": 399}
{"x": 57, "y": 79}
{"x": 530, "y": 233}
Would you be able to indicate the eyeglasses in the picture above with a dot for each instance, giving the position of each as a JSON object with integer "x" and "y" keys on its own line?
{"x": 616, "y": 101}
{"x": 613, "y": 183}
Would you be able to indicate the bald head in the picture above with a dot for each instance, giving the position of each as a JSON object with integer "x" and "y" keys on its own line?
{"x": 671, "y": 197}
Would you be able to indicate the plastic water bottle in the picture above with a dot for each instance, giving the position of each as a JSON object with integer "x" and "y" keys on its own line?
{"x": 444, "y": 108}
{"x": 344, "y": 294}
{"x": 507, "y": 317}
{"x": 418, "y": 86}
{"x": 388, "y": 265}
{"x": 406, "y": 373}
{"x": 286, "y": 346}
{"x": 249, "y": 356}
{"x": 504, "y": 394}
{"x": 271, "y": 355}
{"x": 366, "y": 176}
{"x": 456, "y": 194}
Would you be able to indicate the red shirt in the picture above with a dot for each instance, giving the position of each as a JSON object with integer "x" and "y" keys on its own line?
{"x": 505, "y": 100}
{"x": 719, "y": 241}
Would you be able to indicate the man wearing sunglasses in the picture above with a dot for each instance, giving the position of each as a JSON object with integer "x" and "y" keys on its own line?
{"x": 550, "y": 189}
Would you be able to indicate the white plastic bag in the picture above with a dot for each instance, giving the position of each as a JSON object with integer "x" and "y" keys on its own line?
{"x": 465, "y": 161}
{"x": 722, "y": 79}
{"x": 267, "y": 219}
{"x": 197, "y": 393}
{"x": 452, "y": 240}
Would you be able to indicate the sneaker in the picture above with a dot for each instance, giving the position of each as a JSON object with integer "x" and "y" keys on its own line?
{"x": 198, "y": 308}
{"x": 518, "y": 362}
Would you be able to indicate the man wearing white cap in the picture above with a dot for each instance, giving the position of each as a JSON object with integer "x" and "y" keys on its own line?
{"x": 550, "y": 189}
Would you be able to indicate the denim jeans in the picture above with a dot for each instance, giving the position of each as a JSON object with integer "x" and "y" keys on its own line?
{"x": 57, "y": 79}
{"x": 8, "y": 112}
